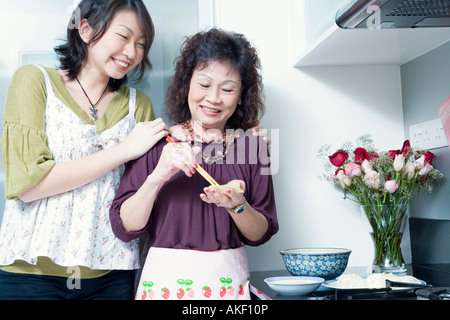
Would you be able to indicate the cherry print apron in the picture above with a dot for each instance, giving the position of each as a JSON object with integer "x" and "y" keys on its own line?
{"x": 182, "y": 274}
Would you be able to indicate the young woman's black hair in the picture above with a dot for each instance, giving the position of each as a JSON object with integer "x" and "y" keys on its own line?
{"x": 99, "y": 13}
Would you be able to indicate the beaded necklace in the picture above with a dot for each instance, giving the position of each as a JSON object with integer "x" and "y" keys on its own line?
{"x": 227, "y": 141}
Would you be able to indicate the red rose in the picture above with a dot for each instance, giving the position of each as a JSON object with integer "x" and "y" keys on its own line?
{"x": 429, "y": 156}
{"x": 406, "y": 148}
{"x": 338, "y": 158}
{"x": 373, "y": 155}
{"x": 393, "y": 153}
{"x": 361, "y": 154}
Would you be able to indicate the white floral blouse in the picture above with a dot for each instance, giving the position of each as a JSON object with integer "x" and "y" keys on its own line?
{"x": 71, "y": 228}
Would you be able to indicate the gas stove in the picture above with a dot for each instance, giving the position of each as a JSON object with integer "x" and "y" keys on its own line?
{"x": 385, "y": 294}
{"x": 433, "y": 294}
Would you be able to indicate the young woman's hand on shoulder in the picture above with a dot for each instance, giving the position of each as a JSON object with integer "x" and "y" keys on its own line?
{"x": 143, "y": 137}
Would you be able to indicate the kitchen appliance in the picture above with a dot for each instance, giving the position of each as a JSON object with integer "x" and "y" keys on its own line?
{"x": 433, "y": 294}
{"x": 390, "y": 14}
{"x": 393, "y": 291}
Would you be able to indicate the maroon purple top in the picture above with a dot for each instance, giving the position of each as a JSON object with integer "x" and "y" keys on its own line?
{"x": 180, "y": 219}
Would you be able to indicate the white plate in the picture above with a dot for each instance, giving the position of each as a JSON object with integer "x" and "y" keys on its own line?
{"x": 295, "y": 285}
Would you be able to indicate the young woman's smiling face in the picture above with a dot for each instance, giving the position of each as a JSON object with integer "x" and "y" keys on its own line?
{"x": 121, "y": 48}
{"x": 213, "y": 94}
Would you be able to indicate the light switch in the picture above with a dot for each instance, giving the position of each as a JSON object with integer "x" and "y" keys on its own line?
{"x": 428, "y": 135}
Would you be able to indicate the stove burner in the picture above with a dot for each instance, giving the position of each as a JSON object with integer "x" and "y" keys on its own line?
{"x": 369, "y": 294}
{"x": 433, "y": 294}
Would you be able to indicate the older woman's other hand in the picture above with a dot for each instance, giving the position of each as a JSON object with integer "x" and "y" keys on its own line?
{"x": 227, "y": 197}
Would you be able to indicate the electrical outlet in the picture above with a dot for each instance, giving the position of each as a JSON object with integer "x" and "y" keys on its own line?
{"x": 428, "y": 135}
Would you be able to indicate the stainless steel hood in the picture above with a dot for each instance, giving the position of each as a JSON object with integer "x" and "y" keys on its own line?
{"x": 390, "y": 14}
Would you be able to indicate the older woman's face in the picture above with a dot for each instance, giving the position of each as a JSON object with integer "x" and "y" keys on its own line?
{"x": 213, "y": 94}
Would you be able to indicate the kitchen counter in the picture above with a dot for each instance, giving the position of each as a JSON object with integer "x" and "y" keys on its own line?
{"x": 438, "y": 275}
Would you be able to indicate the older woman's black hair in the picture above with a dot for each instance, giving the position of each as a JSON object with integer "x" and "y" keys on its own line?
{"x": 99, "y": 13}
{"x": 218, "y": 45}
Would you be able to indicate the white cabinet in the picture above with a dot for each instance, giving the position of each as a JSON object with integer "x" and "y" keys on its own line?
{"x": 335, "y": 46}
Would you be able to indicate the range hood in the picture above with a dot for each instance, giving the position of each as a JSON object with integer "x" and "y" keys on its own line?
{"x": 391, "y": 14}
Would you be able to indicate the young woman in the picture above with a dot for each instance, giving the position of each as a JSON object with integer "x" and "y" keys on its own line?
{"x": 66, "y": 135}
{"x": 197, "y": 231}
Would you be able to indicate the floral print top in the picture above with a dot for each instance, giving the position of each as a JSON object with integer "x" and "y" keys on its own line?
{"x": 71, "y": 228}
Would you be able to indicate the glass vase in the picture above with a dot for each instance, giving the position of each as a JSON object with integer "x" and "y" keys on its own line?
{"x": 387, "y": 224}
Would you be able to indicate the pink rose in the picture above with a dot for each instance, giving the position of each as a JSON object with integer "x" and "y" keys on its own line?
{"x": 390, "y": 186}
{"x": 353, "y": 169}
{"x": 426, "y": 169}
{"x": 344, "y": 180}
{"x": 366, "y": 166}
{"x": 420, "y": 163}
{"x": 338, "y": 158}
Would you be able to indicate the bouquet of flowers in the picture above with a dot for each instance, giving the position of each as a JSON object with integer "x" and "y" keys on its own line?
{"x": 383, "y": 184}
{"x": 380, "y": 178}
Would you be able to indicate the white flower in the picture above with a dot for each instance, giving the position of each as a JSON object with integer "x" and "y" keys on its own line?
{"x": 372, "y": 179}
{"x": 409, "y": 170}
{"x": 399, "y": 162}
{"x": 344, "y": 180}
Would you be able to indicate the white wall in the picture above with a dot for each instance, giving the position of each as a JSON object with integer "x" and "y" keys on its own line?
{"x": 313, "y": 106}
{"x": 29, "y": 27}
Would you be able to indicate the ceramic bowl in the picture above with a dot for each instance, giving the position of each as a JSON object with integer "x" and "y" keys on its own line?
{"x": 327, "y": 263}
{"x": 294, "y": 286}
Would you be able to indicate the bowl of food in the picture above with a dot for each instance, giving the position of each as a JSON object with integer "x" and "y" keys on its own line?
{"x": 327, "y": 263}
{"x": 294, "y": 286}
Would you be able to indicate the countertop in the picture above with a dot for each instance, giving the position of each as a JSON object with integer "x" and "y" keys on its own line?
{"x": 438, "y": 275}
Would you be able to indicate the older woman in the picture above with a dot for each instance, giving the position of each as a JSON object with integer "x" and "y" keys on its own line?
{"x": 197, "y": 230}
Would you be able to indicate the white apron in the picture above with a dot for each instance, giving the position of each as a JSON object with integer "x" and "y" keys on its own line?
{"x": 181, "y": 274}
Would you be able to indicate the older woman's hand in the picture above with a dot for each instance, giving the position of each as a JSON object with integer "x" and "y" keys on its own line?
{"x": 228, "y": 199}
{"x": 175, "y": 157}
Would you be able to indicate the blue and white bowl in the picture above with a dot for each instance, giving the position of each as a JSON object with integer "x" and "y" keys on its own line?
{"x": 328, "y": 263}
{"x": 294, "y": 286}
